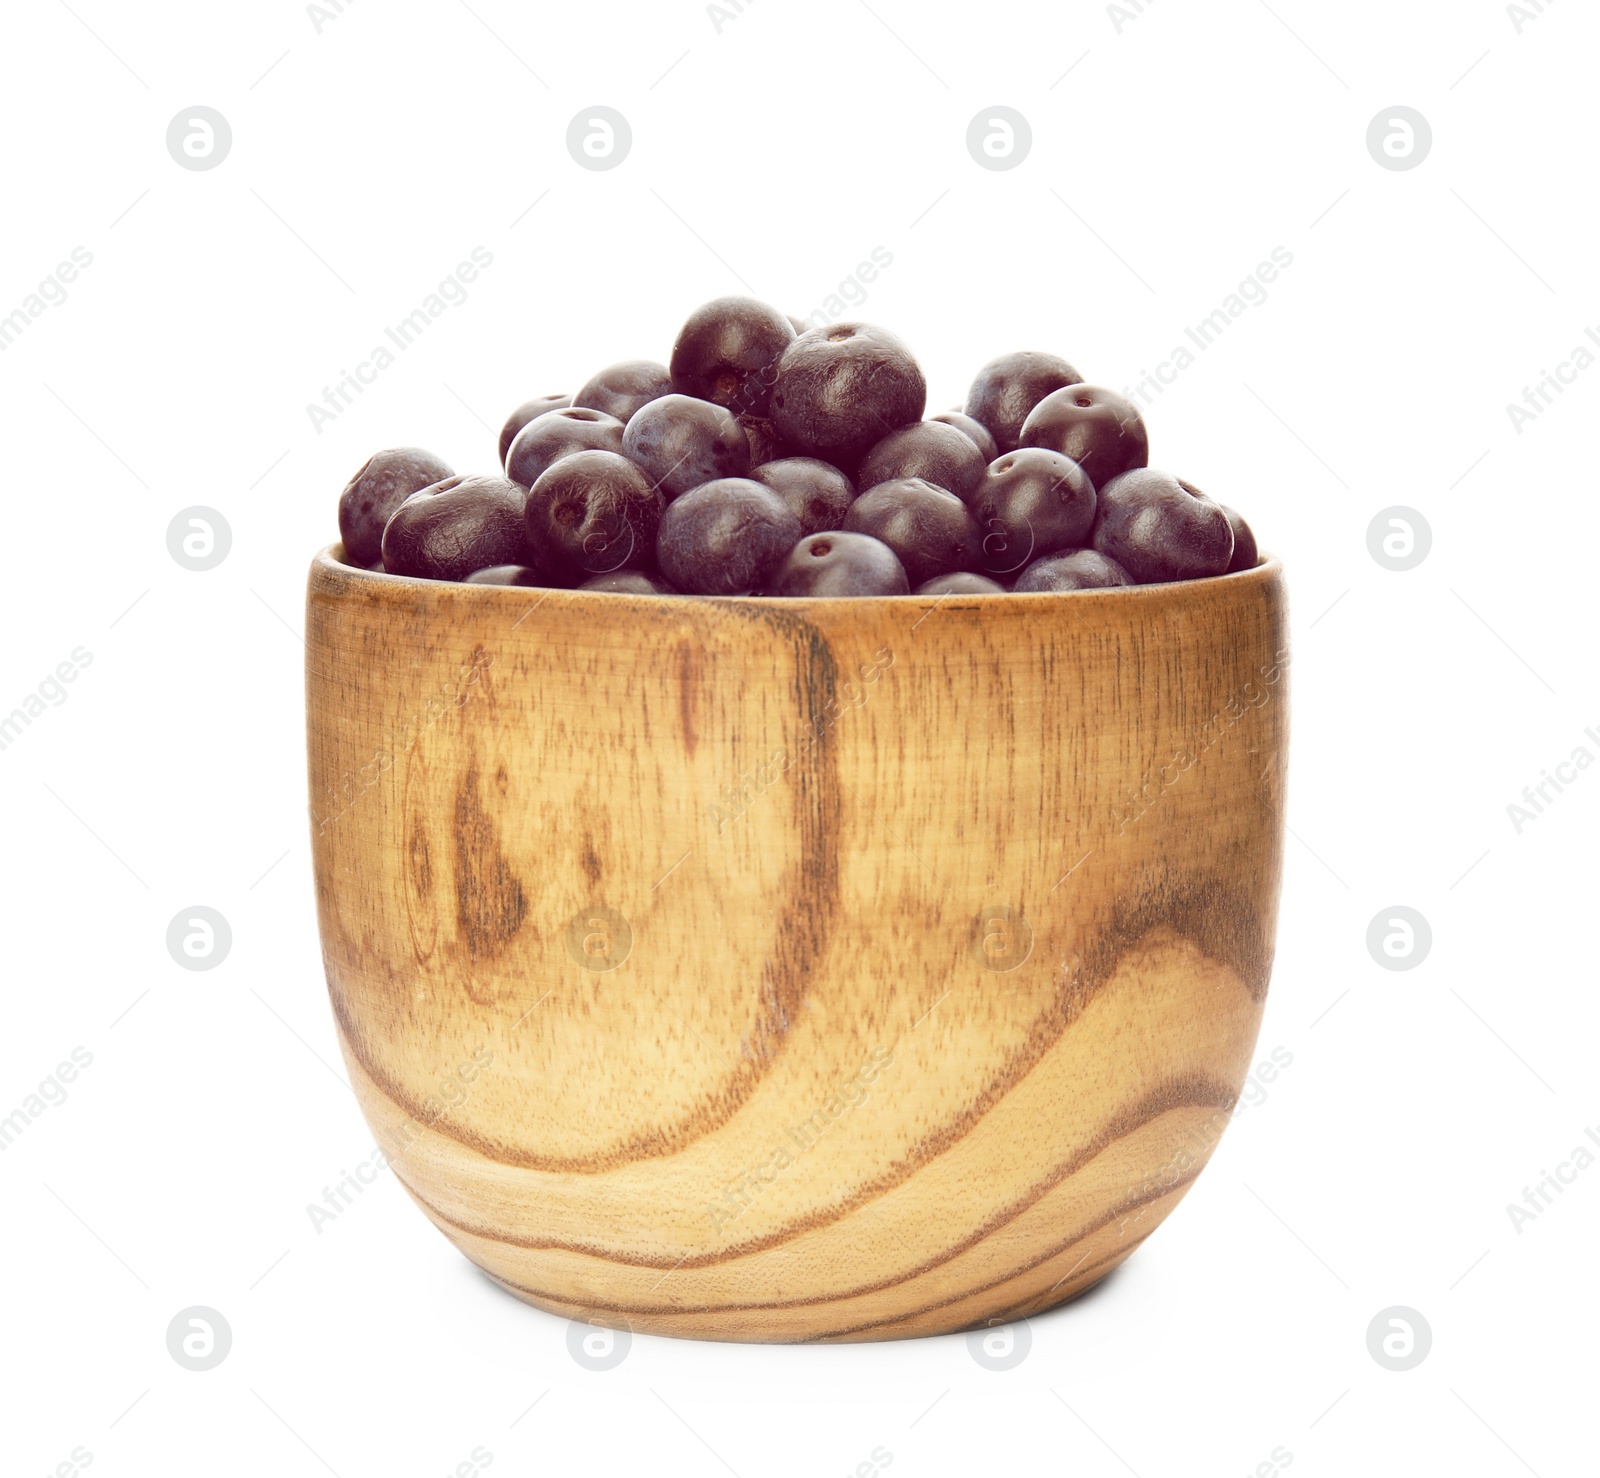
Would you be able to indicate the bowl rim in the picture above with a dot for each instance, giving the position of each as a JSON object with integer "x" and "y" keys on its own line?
{"x": 329, "y": 563}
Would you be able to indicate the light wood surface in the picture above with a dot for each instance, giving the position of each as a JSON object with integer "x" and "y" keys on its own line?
{"x": 925, "y": 1025}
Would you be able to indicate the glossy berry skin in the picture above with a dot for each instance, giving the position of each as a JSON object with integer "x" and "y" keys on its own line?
{"x": 385, "y": 480}
{"x": 840, "y": 390}
{"x": 725, "y": 537}
{"x": 930, "y": 529}
{"x": 1076, "y": 569}
{"x": 817, "y": 493}
{"x": 962, "y": 582}
{"x": 592, "y": 513}
{"x": 932, "y": 450}
{"x": 680, "y": 442}
{"x": 629, "y": 582}
{"x": 981, "y": 436}
{"x": 621, "y": 389}
{"x": 462, "y": 524}
{"x": 1009, "y": 387}
{"x": 1159, "y": 528}
{"x": 1030, "y": 503}
{"x": 529, "y": 410}
{"x": 506, "y": 575}
{"x": 556, "y": 434}
{"x": 1245, "y": 554}
{"x": 838, "y": 563}
{"x": 1100, "y": 430}
{"x": 726, "y": 351}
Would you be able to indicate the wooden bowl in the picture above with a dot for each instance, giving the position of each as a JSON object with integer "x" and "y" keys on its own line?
{"x": 799, "y": 969}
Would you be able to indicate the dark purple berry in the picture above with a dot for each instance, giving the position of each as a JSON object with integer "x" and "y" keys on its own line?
{"x": 620, "y": 389}
{"x": 838, "y": 563}
{"x": 1159, "y": 528}
{"x": 962, "y": 582}
{"x": 981, "y": 436}
{"x": 1009, "y": 387}
{"x": 1030, "y": 503}
{"x": 818, "y": 494}
{"x": 726, "y": 351}
{"x": 385, "y": 481}
{"x": 843, "y": 388}
{"x": 1077, "y": 569}
{"x": 928, "y": 528}
{"x": 462, "y": 524}
{"x": 725, "y": 537}
{"x": 1100, "y": 430}
{"x": 680, "y": 442}
{"x": 1245, "y": 554}
{"x": 529, "y": 410}
{"x": 593, "y": 512}
{"x": 556, "y": 434}
{"x": 765, "y": 443}
{"x": 507, "y": 575}
{"x": 629, "y": 582}
{"x": 932, "y": 450}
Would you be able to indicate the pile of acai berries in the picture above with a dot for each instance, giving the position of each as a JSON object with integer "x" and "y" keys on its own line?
{"x": 769, "y": 458}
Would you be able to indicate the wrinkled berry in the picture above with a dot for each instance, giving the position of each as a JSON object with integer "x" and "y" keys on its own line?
{"x": 681, "y": 442}
{"x": 1009, "y": 387}
{"x": 725, "y": 537}
{"x": 726, "y": 351}
{"x": 932, "y": 450}
{"x": 765, "y": 443}
{"x": 839, "y": 563}
{"x": 621, "y": 389}
{"x": 1100, "y": 430}
{"x": 593, "y": 512}
{"x": 462, "y": 524}
{"x": 843, "y": 388}
{"x": 981, "y": 436}
{"x": 1077, "y": 569}
{"x": 556, "y": 434}
{"x": 930, "y": 529}
{"x": 1030, "y": 503}
{"x": 1159, "y": 528}
{"x": 529, "y": 410}
{"x": 384, "y": 482}
{"x": 818, "y": 494}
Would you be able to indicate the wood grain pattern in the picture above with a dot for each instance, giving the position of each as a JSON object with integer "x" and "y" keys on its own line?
{"x": 796, "y": 970}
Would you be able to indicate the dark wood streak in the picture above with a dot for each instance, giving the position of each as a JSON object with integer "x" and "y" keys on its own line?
{"x": 800, "y": 936}
{"x": 1196, "y": 1092}
{"x": 490, "y": 904}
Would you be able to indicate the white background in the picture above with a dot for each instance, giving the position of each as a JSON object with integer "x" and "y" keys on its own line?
{"x": 1168, "y": 160}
